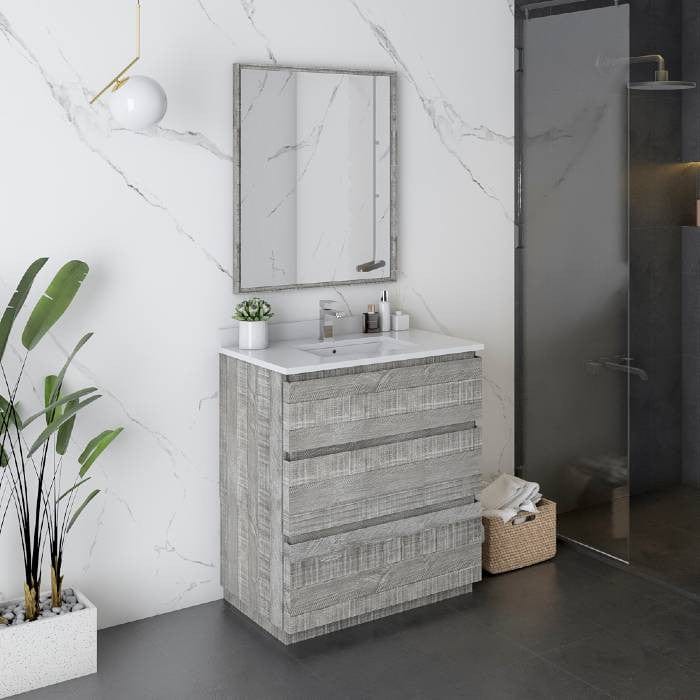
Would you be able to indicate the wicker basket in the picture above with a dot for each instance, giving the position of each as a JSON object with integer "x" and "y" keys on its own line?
{"x": 507, "y": 546}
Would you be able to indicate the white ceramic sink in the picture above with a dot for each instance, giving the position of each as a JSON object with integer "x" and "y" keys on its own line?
{"x": 305, "y": 353}
{"x": 356, "y": 347}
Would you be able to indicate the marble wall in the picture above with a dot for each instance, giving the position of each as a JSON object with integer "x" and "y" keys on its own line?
{"x": 152, "y": 214}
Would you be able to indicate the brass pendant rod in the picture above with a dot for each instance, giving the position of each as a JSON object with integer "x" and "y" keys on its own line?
{"x": 117, "y": 79}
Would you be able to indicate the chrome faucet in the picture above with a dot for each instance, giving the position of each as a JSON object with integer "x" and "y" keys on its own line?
{"x": 326, "y": 315}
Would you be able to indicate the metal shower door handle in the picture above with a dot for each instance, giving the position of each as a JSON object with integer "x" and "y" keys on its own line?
{"x": 616, "y": 366}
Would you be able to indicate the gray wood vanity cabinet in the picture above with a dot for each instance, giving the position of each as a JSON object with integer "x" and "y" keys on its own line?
{"x": 348, "y": 494}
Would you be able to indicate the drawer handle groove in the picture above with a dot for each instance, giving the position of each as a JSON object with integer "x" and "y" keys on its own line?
{"x": 381, "y": 520}
{"x": 376, "y": 442}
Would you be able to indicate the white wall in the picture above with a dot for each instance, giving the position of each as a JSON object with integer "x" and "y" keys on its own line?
{"x": 152, "y": 214}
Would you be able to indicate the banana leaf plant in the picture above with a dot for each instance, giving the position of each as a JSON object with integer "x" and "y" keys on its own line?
{"x": 62, "y": 509}
{"x": 30, "y": 478}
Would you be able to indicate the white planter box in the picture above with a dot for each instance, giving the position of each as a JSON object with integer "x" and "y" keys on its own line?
{"x": 48, "y": 650}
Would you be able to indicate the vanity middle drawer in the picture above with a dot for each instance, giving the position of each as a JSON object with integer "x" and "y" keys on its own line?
{"x": 349, "y": 489}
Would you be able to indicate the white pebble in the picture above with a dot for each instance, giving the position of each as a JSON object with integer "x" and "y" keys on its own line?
{"x": 78, "y": 606}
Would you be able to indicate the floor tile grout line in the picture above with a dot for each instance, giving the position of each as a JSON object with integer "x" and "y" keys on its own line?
{"x": 671, "y": 662}
{"x": 539, "y": 652}
{"x": 538, "y": 655}
{"x": 637, "y": 572}
{"x": 684, "y": 666}
{"x": 683, "y": 597}
{"x": 573, "y": 675}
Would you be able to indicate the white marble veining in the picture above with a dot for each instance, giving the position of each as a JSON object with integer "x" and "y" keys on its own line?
{"x": 152, "y": 214}
{"x": 352, "y": 350}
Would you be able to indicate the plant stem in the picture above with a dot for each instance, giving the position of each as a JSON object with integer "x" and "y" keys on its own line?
{"x": 56, "y": 586}
{"x": 31, "y": 598}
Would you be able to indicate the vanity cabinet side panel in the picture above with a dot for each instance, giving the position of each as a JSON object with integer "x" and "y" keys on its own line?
{"x": 251, "y": 484}
{"x": 227, "y": 472}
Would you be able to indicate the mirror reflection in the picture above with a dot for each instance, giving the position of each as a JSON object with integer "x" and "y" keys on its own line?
{"x": 315, "y": 180}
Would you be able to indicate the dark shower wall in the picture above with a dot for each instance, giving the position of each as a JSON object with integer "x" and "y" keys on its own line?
{"x": 656, "y": 213}
{"x": 690, "y": 42}
{"x": 665, "y": 250}
{"x": 690, "y": 280}
{"x": 690, "y": 393}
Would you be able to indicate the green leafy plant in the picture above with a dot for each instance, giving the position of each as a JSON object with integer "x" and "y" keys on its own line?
{"x": 254, "y": 309}
{"x": 61, "y": 511}
{"x": 31, "y": 457}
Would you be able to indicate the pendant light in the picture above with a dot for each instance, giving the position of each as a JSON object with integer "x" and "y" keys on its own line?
{"x": 136, "y": 101}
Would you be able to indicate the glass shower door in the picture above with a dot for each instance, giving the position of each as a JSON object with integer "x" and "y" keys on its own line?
{"x": 573, "y": 268}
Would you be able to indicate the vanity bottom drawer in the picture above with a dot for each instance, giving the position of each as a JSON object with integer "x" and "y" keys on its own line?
{"x": 342, "y": 576}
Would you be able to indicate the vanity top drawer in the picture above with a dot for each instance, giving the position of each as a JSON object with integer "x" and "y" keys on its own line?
{"x": 376, "y": 379}
{"x": 357, "y": 410}
{"x": 356, "y": 572}
{"x": 350, "y": 488}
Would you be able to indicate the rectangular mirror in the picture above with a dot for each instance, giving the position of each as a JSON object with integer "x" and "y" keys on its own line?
{"x": 315, "y": 177}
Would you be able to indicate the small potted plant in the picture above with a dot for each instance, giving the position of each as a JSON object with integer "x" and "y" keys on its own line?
{"x": 252, "y": 316}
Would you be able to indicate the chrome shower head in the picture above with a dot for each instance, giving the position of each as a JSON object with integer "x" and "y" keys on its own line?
{"x": 663, "y": 85}
{"x": 661, "y": 77}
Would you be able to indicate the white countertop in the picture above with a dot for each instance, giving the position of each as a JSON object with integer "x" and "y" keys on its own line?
{"x": 288, "y": 357}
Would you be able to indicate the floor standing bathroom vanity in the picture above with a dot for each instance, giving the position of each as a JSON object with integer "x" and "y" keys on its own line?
{"x": 349, "y": 470}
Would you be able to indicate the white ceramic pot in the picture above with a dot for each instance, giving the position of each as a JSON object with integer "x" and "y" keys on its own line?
{"x": 252, "y": 335}
{"x": 48, "y": 650}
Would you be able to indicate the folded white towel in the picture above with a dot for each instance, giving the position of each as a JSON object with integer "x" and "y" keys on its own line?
{"x": 507, "y": 495}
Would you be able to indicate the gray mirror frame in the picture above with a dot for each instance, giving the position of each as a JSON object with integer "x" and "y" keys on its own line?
{"x": 393, "y": 185}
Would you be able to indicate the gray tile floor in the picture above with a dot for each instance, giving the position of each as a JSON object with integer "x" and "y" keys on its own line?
{"x": 570, "y": 628}
{"x": 665, "y": 536}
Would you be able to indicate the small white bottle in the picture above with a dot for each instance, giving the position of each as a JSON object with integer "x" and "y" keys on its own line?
{"x": 384, "y": 313}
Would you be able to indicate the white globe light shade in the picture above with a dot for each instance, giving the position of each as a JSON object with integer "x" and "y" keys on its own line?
{"x": 139, "y": 103}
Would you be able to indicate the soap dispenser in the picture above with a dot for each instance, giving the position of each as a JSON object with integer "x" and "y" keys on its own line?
{"x": 384, "y": 313}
